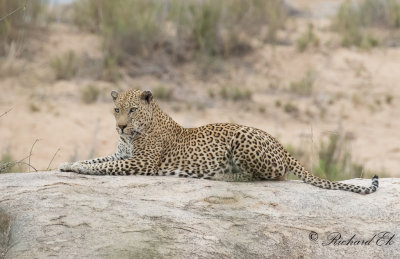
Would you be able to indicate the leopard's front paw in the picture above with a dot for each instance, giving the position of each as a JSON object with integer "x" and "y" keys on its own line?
{"x": 65, "y": 167}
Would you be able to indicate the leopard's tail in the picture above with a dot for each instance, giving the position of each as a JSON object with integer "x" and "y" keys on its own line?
{"x": 297, "y": 169}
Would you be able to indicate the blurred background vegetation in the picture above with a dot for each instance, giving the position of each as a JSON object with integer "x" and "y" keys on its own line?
{"x": 203, "y": 58}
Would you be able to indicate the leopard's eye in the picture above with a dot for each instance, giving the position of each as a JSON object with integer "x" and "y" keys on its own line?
{"x": 116, "y": 110}
{"x": 132, "y": 109}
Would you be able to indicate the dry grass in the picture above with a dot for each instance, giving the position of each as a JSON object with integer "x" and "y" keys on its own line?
{"x": 388, "y": 98}
{"x": 33, "y": 106}
{"x": 162, "y": 93}
{"x": 291, "y": 109}
{"x": 307, "y": 39}
{"x": 357, "y": 22}
{"x": 334, "y": 159}
{"x": 90, "y": 94}
{"x": 110, "y": 71}
{"x": 17, "y": 26}
{"x": 8, "y": 164}
{"x": 305, "y": 85}
{"x": 235, "y": 93}
{"x": 65, "y": 66}
{"x": 178, "y": 28}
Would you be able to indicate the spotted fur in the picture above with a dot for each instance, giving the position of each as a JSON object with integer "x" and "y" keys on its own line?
{"x": 151, "y": 143}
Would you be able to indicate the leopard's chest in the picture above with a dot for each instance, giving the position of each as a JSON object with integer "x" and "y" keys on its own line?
{"x": 124, "y": 149}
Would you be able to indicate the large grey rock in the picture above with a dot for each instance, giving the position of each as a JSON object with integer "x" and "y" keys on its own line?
{"x": 74, "y": 216}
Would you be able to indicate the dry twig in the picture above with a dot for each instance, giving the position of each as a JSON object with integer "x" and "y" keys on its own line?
{"x": 30, "y": 154}
{"x": 4, "y": 113}
{"x": 52, "y": 159}
{"x": 23, "y": 7}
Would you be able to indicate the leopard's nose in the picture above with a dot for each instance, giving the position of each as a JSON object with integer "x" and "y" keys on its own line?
{"x": 122, "y": 126}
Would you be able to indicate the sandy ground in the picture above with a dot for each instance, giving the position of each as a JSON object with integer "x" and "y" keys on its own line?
{"x": 355, "y": 91}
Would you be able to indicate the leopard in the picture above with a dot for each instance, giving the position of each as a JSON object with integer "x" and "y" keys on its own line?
{"x": 151, "y": 143}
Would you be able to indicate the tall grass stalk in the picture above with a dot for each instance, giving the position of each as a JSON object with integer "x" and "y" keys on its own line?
{"x": 334, "y": 159}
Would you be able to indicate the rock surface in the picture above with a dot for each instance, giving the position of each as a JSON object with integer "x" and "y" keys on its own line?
{"x": 75, "y": 216}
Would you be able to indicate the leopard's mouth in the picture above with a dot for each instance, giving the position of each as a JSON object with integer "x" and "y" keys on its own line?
{"x": 130, "y": 132}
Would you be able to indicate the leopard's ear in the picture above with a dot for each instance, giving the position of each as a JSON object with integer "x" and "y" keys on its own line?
{"x": 147, "y": 96}
{"x": 114, "y": 95}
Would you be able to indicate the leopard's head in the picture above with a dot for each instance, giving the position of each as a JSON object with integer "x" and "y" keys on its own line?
{"x": 133, "y": 111}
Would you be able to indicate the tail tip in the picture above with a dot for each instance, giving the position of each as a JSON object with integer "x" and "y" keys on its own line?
{"x": 375, "y": 181}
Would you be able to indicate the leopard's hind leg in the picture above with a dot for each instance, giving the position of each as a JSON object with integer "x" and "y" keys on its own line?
{"x": 258, "y": 154}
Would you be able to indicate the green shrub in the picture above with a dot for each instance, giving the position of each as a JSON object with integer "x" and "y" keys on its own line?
{"x": 235, "y": 93}
{"x": 130, "y": 27}
{"x": 90, "y": 94}
{"x": 17, "y": 26}
{"x": 110, "y": 71}
{"x": 355, "y": 22}
{"x": 204, "y": 25}
{"x": 305, "y": 85}
{"x": 179, "y": 28}
{"x": 33, "y": 106}
{"x": 162, "y": 93}
{"x": 8, "y": 164}
{"x": 307, "y": 38}
{"x": 291, "y": 108}
{"x": 87, "y": 14}
{"x": 5, "y": 162}
{"x": 65, "y": 66}
{"x": 334, "y": 160}
{"x": 388, "y": 98}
